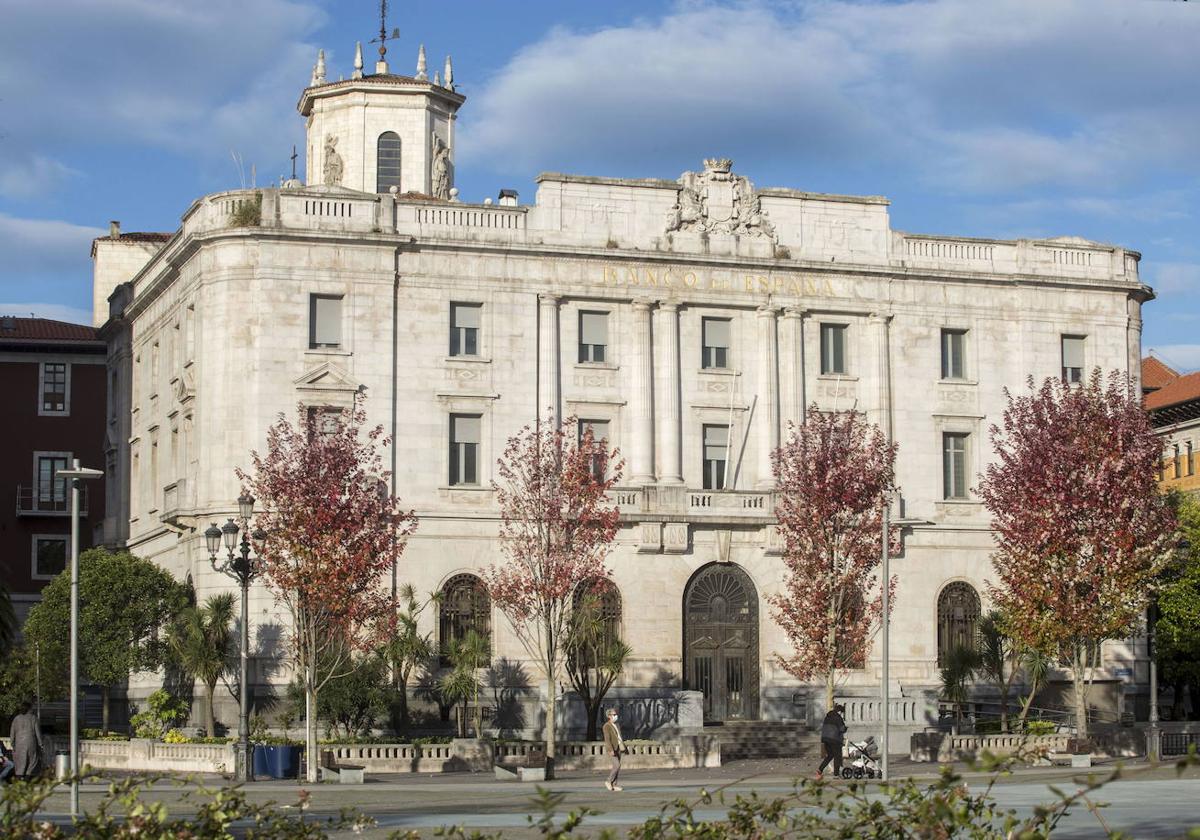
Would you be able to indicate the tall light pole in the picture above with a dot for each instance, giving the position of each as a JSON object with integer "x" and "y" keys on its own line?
{"x": 885, "y": 557}
{"x": 238, "y": 567}
{"x": 77, "y": 475}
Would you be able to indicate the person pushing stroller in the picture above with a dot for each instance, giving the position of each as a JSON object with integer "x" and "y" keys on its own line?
{"x": 833, "y": 735}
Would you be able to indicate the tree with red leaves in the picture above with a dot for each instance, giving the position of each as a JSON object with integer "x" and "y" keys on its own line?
{"x": 556, "y": 529}
{"x": 1080, "y": 526}
{"x": 832, "y": 476}
{"x": 330, "y": 535}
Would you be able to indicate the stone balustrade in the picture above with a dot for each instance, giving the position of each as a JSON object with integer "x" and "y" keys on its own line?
{"x": 1055, "y": 257}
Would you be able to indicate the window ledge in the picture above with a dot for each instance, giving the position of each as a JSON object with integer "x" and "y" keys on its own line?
{"x": 596, "y": 366}
{"x": 960, "y": 502}
{"x": 718, "y": 372}
{"x": 328, "y": 351}
{"x": 471, "y": 360}
{"x": 834, "y": 377}
{"x": 470, "y": 488}
{"x": 958, "y": 381}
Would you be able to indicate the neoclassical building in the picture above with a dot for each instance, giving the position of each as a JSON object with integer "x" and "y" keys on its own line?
{"x": 687, "y": 320}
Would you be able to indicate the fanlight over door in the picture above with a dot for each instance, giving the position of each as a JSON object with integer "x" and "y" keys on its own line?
{"x": 721, "y": 642}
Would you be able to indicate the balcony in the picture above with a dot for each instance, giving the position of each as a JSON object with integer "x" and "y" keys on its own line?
{"x": 48, "y": 501}
{"x": 677, "y": 503}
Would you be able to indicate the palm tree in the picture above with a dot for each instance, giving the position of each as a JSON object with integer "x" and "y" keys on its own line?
{"x": 409, "y": 649}
{"x": 997, "y": 659}
{"x": 1036, "y": 666}
{"x": 595, "y": 657}
{"x": 468, "y": 655}
{"x": 959, "y": 665}
{"x": 202, "y": 643}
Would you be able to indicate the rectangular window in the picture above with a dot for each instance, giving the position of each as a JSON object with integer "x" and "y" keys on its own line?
{"x": 593, "y": 336}
{"x": 954, "y": 346}
{"x": 600, "y": 438}
{"x": 716, "y": 332}
{"x": 54, "y": 388}
{"x": 833, "y": 349}
{"x": 49, "y": 556}
{"x": 324, "y": 321}
{"x": 1072, "y": 358}
{"x": 464, "y": 328}
{"x": 51, "y": 489}
{"x": 1191, "y": 464}
{"x": 1178, "y": 462}
{"x": 325, "y": 419}
{"x": 716, "y": 452}
{"x": 954, "y": 465}
{"x": 464, "y": 448}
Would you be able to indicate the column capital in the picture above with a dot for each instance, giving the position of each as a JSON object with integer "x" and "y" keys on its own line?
{"x": 795, "y": 312}
{"x": 880, "y": 317}
{"x": 668, "y": 306}
{"x": 548, "y": 298}
{"x": 767, "y": 311}
{"x": 643, "y": 304}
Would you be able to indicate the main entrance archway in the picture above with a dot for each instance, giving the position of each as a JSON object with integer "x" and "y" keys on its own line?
{"x": 720, "y": 642}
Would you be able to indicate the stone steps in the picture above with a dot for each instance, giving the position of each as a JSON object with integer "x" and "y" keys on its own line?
{"x": 765, "y": 739}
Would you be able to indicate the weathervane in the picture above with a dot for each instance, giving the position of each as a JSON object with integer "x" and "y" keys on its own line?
{"x": 383, "y": 38}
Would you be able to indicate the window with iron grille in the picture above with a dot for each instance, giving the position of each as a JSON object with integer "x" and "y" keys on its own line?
{"x": 958, "y": 610}
{"x": 464, "y": 606}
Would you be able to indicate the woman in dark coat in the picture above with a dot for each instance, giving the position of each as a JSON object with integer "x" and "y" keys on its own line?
{"x": 26, "y": 743}
{"x": 833, "y": 734}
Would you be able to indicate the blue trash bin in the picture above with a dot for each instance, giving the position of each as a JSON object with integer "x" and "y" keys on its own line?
{"x": 284, "y": 761}
{"x": 262, "y": 768}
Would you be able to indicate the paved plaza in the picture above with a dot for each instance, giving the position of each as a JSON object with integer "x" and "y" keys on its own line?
{"x": 1154, "y": 802}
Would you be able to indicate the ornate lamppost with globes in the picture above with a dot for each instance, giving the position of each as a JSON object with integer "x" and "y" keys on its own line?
{"x": 239, "y": 567}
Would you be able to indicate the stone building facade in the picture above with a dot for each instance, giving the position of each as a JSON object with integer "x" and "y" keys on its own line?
{"x": 689, "y": 320}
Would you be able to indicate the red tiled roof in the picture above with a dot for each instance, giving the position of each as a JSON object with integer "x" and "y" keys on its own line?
{"x": 1155, "y": 374}
{"x": 1181, "y": 389}
{"x": 43, "y": 330}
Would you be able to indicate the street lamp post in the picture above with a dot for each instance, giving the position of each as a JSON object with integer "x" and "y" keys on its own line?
{"x": 885, "y": 556}
{"x": 238, "y": 566}
{"x": 1152, "y": 737}
{"x": 77, "y": 475}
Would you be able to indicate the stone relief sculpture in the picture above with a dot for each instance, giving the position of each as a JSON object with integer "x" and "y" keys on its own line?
{"x": 441, "y": 169}
{"x": 333, "y": 163}
{"x": 717, "y": 201}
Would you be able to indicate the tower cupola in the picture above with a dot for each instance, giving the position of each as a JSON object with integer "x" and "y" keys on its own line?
{"x": 383, "y": 131}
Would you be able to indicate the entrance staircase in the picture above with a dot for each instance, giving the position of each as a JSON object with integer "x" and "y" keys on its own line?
{"x": 765, "y": 739}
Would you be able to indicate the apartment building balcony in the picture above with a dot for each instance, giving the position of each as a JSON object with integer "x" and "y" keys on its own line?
{"x": 40, "y": 501}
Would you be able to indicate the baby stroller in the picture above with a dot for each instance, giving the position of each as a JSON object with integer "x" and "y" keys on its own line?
{"x": 864, "y": 760}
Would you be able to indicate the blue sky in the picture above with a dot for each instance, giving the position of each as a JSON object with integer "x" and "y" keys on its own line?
{"x": 1007, "y": 118}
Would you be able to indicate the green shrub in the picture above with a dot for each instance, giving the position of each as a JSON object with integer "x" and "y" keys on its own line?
{"x": 163, "y": 713}
{"x": 1040, "y": 727}
{"x": 101, "y": 735}
{"x": 248, "y": 213}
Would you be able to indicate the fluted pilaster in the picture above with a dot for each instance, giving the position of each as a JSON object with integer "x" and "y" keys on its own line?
{"x": 791, "y": 368}
{"x": 768, "y": 394}
{"x": 666, "y": 332}
{"x": 641, "y": 401}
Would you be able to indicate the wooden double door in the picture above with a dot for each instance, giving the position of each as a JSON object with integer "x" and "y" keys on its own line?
{"x": 720, "y": 642}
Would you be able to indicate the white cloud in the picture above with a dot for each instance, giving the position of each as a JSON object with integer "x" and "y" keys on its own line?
{"x": 53, "y": 311}
{"x": 26, "y": 176}
{"x": 1179, "y": 280}
{"x": 200, "y": 78}
{"x": 31, "y": 247}
{"x": 996, "y": 96}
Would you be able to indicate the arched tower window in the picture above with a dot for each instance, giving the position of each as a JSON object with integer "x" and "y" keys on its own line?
{"x": 957, "y": 615}
{"x": 387, "y": 162}
{"x": 465, "y": 606}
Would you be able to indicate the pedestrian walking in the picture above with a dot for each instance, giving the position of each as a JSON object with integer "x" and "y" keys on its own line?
{"x": 833, "y": 734}
{"x": 615, "y": 746}
{"x": 6, "y": 765}
{"x": 26, "y": 742}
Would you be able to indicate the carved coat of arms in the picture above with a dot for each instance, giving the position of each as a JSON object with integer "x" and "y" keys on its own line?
{"x": 717, "y": 201}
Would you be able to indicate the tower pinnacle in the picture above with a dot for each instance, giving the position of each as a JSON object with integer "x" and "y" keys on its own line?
{"x": 422, "y": 73}
{"x": 449, "y": 74}
{"x": 358, "y": 61}
{"x": 318, "y": 74}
